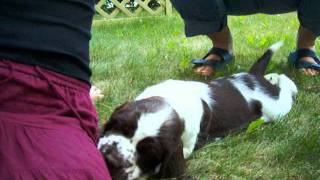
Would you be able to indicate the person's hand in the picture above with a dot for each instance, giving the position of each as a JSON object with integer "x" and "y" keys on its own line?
{"x": 95, "y": 94}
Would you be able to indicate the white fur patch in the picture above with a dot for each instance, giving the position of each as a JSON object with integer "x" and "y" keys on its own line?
{"x": 185, "y": 98}
{"x": 276, "y": 46}
{"x": 125, "y": 148}
{"x": 134, "y": 172}
{"x": 273, "y": 78}
{"x": 149, "y": 123}
{"x": 272, "y": 109}
{"x": 102, "y": 141}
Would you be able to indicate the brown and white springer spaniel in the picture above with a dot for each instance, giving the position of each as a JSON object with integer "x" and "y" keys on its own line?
{"x": 153, "y": 135}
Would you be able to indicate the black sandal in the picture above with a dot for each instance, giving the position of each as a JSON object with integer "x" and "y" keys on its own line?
{"x": 294, "y": 59}
{"x": 225, "y": 58}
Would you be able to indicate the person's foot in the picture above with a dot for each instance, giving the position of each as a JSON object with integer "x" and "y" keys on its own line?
{"x": 309, "y": 71}
{"x": 222, "y": 40}
{"x": 207, "y": 70}
{"x": 95, "y": 94}
{"x": 306, "y": 40}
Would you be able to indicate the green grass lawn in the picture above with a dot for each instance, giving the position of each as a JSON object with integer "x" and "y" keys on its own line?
{"x": 129, "y": 55}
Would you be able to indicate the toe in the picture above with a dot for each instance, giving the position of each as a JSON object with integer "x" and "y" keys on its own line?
{"x": 313, "y": 72}
{"x": 207, "y": 71}
{"x": 309, "y": 71}
{"x": 204, "y": 70}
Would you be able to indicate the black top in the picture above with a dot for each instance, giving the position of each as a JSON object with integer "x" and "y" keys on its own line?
{"x": 53, "y": 34}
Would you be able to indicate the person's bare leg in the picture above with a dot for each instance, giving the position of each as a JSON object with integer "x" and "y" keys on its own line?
{"x": 306, "y": 40}
{"x": 223, "y": 40}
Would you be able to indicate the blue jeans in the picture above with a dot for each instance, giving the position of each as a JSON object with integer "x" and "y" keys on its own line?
{"x": 209, "y": 16}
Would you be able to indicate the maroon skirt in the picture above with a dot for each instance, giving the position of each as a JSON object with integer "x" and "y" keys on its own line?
{"x": 48, "y": 126}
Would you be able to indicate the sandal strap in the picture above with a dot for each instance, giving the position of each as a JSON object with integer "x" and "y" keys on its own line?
{"x": 294, "y": 59}
{"x": 214, "y": 64}
{"x": 225, "y": 58}
{"x": 222, "y": 53}
{"x": 307, "y": 53}
{"x": 304, "y": 64}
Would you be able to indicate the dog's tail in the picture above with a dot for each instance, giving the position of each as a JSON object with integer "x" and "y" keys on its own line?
{"x": 261, "y": 65}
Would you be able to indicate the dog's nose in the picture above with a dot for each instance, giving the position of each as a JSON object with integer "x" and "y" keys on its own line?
{"x": 104, "y": 148}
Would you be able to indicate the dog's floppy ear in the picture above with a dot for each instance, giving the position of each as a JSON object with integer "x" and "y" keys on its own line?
{"x": 173, "y": 164}
{"x": 150, "y": 154}
{"x": 114, "y": 162}
{"x": 161, "y": 157}
{"x": 111, "y": 155}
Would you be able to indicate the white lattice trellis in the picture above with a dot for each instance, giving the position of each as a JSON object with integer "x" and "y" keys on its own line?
{"x": 133, "y": 10}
